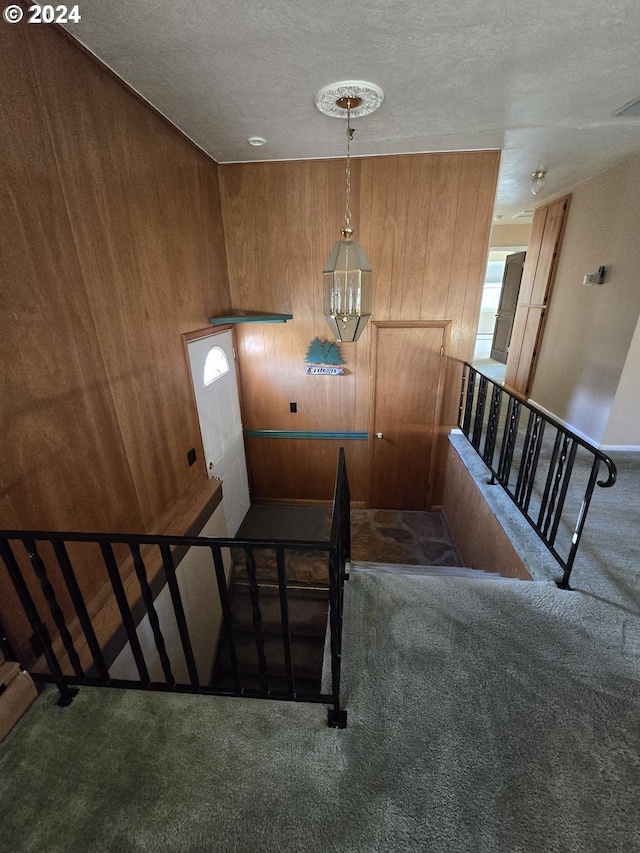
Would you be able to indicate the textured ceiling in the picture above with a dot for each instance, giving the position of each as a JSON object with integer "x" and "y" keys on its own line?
{"x": 540, "y": 81}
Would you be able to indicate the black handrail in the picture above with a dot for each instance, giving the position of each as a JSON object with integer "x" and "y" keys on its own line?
{"x": 519, "y": 460}
{"x": 33, "y": 565}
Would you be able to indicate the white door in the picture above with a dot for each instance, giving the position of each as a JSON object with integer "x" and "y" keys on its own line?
{"x": 213, "y": 370}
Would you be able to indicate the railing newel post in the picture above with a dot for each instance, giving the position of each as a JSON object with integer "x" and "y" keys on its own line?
{"x": 39, "y": 628}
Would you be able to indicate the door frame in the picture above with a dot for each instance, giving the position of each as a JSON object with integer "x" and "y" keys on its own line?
{"x": 212, "y": 332}
{"x": 208, "y": 332}
{"x": 376, "y": 325}
{"x": 194, "y": 336}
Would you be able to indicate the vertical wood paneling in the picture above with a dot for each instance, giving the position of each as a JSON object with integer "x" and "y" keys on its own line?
{"x": 423, "y": 221}
{"x": 112, "y": 248}
{"x": 417, "y": 237}
{"x": 63, "y": 459}
{"x": 443, "y": 211}
{"x": 140, "y": 208}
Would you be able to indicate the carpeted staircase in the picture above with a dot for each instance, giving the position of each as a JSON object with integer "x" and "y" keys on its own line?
{"x": 308, "y": 608}
{"x": 391, "y": 542}
{"x": 383, "y": 541}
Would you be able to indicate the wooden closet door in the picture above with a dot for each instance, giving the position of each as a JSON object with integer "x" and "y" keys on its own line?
{"x": 407, "y": 396}
{"x": 535, "y": 293}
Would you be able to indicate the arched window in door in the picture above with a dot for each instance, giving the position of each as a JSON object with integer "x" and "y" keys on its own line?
{"x": 216, "y": 365}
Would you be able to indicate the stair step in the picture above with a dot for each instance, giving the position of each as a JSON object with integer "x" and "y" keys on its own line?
{"x": 306, "y": 656}
{"x": 307, "y": 615}
{"x": 277, "y": 684}
{"x": 442, "y": 571}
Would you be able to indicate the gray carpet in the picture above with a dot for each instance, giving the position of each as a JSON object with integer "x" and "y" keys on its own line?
{"x": 495, "y": 370}
{"x": 497, "y": 716}
{"x": 483, "y": 716}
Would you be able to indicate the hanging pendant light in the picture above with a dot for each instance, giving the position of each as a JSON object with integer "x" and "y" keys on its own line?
{"x": 537, "y": 180}
{"x": 347, "y": 276}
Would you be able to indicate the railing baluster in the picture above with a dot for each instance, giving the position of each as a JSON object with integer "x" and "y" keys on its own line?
{"x": 461, "y": 403}
{"x": 39, "y": 628}
{"x": 509, "y": 442}
{"x": 125, "y": 612}
{"x": 478, "y": 422}
{"x": 227, "y": 613}
{"x": 178, "y": 609}
{"x": 337, "y": 718}
{"x": 468, "y": 409}
{"x": 78, "y": 602}
{"x": 284, "y": 616}
{"x": 549, "y": 480}
{"x": 577, "y": 533}
{"x": 530, "y": 455}
{"x": 492, "y": 425}
{"x": 257, "y": 619}
{"x": 552, "y": 483}
{"x": 566, "y": 477}
{"x": 152, "y": 613}
{"x": 40, "y": 571}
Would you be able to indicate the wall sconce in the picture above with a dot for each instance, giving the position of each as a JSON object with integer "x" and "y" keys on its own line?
{"x": 537, "y": 180}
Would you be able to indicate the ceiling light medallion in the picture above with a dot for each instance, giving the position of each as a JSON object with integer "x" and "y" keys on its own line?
{"x": 347, "y": 277}
{"x": 537, "y": 180}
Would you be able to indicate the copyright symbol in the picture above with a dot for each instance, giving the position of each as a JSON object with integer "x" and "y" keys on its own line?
{"x": 12, "y": 14}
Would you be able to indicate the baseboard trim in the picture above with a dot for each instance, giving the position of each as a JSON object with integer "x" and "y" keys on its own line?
{"x": 302, "y": 502}
{"x": 605, "y": 448}
{"x": 307, "y": 434}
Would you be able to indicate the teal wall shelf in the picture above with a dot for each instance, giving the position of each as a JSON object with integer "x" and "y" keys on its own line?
{"x": 284, "y": 433}
{"x": 249, "y": 317}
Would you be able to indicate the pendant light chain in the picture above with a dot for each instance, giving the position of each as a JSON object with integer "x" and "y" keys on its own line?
{"x": 347, "y": 210}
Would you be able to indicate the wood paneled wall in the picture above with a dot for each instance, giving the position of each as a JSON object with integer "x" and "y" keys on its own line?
{"x": 115, "y": 241}
{"x": 424, "y": 222}
{"x": 112, "y": 247}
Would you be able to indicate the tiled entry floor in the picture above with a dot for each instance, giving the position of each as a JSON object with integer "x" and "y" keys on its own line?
{"x": 401, "y": 536}
{"x": 377, "y": 535}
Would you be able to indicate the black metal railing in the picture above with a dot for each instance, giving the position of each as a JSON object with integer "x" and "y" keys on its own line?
{"x": 71, "y": 647}
{"x": 548, "y": 471}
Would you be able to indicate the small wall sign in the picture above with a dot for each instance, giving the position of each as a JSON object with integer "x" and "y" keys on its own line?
{"x": 324, "y": 359}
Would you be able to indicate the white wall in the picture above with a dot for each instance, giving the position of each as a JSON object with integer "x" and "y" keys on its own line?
{"x": 198, "y": 589}
{"x": 623, "y": 428}
{"x": 589, "y": 330}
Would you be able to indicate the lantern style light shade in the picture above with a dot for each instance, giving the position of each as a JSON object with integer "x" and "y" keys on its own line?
{"x": 346, "y": 278}
{"x": 537, "y": 180}
{"x": 347, "y": 281}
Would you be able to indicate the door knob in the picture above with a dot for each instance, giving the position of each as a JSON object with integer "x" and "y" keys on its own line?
{"x": 379, "y": 436}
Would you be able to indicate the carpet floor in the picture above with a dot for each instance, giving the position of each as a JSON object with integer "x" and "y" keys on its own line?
{"x": 483, "y": 716}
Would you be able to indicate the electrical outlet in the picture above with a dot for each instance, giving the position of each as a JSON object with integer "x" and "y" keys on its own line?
{"x": 191, "y": 456}
{"x": 293, "y": 408}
